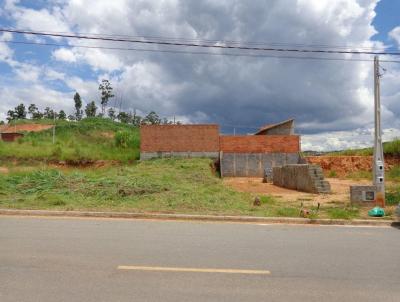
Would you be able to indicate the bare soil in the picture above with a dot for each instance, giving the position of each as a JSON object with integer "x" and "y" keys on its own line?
{"x": 340, "y": 190}
{"x": 343, "y": 165}
{"x": 24, "y": 127}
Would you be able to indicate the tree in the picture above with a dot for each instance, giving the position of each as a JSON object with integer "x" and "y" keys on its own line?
{"x": 165, "y": 121}
{"x": 137, "y": 120}
{"x": 11, "y": 115}
{"x": 32, "y": 109}
{"x": 49, "y": 113}
{"x": 78, "y": 106}
{"x": 106, "y": 94}
{"x": 152, "y": 119}
{"x": 34, "y": 112}
{"x": 124, "y": 117}
{"x": 91, "y": 109}
{"x": 20, "y": 111}
{"x": 111, "y": 113}
{"x": 62, "y": 115}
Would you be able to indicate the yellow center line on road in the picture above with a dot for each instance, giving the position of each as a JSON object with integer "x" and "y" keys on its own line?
{"x": 193, "y": 270}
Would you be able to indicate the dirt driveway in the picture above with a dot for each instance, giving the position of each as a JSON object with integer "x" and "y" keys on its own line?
{"x": 340, "y": 190}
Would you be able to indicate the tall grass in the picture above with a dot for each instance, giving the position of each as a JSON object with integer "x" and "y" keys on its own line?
{"x": 91, "y": 138}
{"x": 159, "y": 185}
{"x": 389, "y": 148}
{"x": 392, "y": 148}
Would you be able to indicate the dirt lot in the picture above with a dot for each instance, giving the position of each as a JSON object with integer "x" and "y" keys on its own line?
{"x": 340, "y": 190}
{"x": 25, "y": 127}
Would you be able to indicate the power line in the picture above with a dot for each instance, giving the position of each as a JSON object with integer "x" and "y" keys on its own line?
{"x": 214, "y": 41}
{"x": 194, "y": 52}
{"x": 166, "y": 43}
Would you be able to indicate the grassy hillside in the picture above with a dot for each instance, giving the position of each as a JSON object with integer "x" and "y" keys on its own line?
{"x": 389, "y": 148}
{"x": 89, "y": 139}
{"x": 165, "y": 185}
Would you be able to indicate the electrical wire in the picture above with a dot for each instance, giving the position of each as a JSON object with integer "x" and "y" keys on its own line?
{"x": 196, "y": 53}
{"x": 215, "y": 41}
{"x": 214, "y": 46}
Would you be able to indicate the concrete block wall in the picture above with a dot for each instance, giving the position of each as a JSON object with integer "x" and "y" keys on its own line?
{"x": 301, "y": 177}
{"x": 260, "y": 144}
{"x": 253, "y": 164}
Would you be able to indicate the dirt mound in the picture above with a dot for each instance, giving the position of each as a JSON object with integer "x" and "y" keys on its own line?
{"x": 346, "y": 164}
{"x": 24, "y": 127}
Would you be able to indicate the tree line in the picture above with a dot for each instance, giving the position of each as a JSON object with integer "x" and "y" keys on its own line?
{"x": 90, "y": 110}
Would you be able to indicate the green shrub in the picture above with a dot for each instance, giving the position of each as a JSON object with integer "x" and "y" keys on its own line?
{"x": 126, "y": 139}
{"x": 392, "y": 196}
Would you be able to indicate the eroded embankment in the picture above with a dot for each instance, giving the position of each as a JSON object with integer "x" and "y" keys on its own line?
{"x": 347, "y": 164}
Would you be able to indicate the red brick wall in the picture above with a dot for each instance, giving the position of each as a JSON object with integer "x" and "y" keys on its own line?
{"x": 260, "y": 143}
{"x": 179, "y": 138}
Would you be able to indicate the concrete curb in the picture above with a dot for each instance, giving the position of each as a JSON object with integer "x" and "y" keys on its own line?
{"x": 211, "y": 218}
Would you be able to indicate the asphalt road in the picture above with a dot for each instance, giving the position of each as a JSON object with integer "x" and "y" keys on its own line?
{"x": 56, "y": 259}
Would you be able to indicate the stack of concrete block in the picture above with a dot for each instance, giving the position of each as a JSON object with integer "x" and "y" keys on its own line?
{"x": 301, "y": 177}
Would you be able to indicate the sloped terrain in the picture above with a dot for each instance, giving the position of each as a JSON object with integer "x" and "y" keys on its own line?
{"x": 87, "y": 140}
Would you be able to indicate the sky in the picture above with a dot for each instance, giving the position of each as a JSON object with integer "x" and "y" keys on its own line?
{"x": 331, "y": 100}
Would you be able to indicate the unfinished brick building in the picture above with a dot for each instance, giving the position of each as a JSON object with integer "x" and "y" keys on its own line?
{"x": 256, "y": 155}
{"x": 273, "y": 151}
{"x": 244, "y": 155}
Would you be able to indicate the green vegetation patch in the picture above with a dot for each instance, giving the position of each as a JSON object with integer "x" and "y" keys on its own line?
{"x": 88, "y": 139}
{"x": 389, "y": 148}
{"x": 343, "y": 213}
{"x": 168, "y": 185}
{"x": 392, "y": 196}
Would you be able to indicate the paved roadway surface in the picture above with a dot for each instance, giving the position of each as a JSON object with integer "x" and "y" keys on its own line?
{"x": 60, "y": 259}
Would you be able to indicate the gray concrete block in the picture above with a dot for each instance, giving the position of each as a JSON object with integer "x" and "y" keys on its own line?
{"x": 241, "y": 165}
{"x": 227, "y": 165}
{"x": 300, "y": 177}
{"x": 254, "y": 165}
{"x": 362, "y": 194}
{"x": 150, "y": 155}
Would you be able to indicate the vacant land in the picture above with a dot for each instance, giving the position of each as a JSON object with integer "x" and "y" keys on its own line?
{"x": 89, "y": 139}
{"x": 92, "y": 166}
{"x": 165, "y": 185}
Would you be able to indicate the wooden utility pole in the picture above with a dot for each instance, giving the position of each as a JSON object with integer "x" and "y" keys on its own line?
{"x": 378, "y": 164}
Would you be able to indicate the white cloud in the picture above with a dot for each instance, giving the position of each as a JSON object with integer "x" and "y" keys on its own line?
{"x": 38, "y": 94}
{"x": 395, "y": 35}
{"x": 6, "y": 53}
{"x": 43, "y": 19}
{"x": 341, "y": 140}
{"x": 64, "y": 54}
{"x": 323, "y": 96}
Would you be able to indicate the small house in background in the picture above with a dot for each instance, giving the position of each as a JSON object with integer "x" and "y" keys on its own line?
{"x": 10, "y": 133}
{"x": 10, "y": 136}
{"x": 282, "y": 128}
